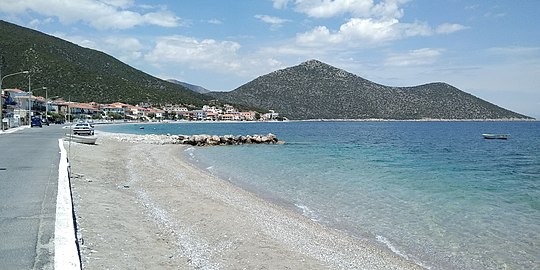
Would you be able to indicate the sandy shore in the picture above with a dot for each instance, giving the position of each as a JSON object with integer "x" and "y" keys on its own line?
{"x": 140, "y": 205}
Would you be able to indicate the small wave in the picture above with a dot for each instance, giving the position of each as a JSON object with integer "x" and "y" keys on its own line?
{"x": 389, "y": 244}
{"x": 210, "y": 168}
{"x": 308, "y": 212}
{"x": 385, "y": 241}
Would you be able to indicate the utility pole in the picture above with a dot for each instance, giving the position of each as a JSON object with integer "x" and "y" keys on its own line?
{"x": 29, "y": 99}
{"x": 46, "y": 105}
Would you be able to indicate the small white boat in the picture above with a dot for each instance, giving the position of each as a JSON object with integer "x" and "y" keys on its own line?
{"x": 495, "y": 136}
{"x": 86, "y": 139}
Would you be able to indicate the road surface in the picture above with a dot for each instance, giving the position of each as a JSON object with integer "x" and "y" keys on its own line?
{"x": 28, "y": 186}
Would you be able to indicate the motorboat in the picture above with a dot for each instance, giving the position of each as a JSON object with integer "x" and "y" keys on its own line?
{"x": 86, "y": 139}
{"x": 495, "y": 136}
{"x": 83, "y": 128}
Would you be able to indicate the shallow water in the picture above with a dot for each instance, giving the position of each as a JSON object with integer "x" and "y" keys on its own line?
{"x": 436, "y": 193}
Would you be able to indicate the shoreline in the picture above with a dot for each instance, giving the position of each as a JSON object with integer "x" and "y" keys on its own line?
{"x": 318, "y": 120}
{"x": 130, "y": 192}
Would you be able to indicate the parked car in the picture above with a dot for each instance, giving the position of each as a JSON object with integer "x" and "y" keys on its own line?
{"x": 83, "y": 129}
{"x": 36, "y": 122}
{"x": 45, "y": 122}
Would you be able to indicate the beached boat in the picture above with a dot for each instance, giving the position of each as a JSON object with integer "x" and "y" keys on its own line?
{"x": 87, "y": 139}
{"x": 495, "y": 136}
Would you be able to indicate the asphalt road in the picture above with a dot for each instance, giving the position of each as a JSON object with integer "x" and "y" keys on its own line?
{"x": 28, "y": 186}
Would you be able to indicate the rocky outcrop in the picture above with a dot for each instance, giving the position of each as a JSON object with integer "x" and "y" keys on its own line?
{"x": 210, "y": 140}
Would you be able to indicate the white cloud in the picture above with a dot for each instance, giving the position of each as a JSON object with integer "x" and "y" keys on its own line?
{"x": 275, "y": 22}
{"x": 119, "y": 3}
{"x": 371, "y": 23}
{"x": 162, "y": 18}
{"x": 214, "y": 21}
{"x": 424, "y": 56}
{"x": 328, "y": 8}
{"x": 127, "y": 49}
{"x": 35, "y": 23}
{"x": 271, "y": 19}
{"x": 207, "y": 53}
{"x": 357, "y": 8}
{"x": 279, "y": 4}
{"x": 514, "y": 51}
{"x": 107, "y": 14}
{"x": 389, "y": 9}
{"x": 359, "y": 32}
{"x": 213, "y": 56}
{"x": 79, "y": 40}
{"x": 447, "y": 28}
{"x": 292, "y": 50}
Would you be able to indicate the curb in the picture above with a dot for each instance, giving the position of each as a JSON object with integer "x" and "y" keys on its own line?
{"x": 66, "y": 249}
{"x": 11, "y": 130}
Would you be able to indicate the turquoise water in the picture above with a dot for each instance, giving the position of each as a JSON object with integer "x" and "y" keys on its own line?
{"x": 436, "y": 193}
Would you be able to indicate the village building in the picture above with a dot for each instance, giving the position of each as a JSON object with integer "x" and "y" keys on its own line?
{"x": 248, "y": 116}
{"x": 21, "y": 106}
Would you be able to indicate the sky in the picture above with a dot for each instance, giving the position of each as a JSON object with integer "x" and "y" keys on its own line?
{"x": 488, "y": 48}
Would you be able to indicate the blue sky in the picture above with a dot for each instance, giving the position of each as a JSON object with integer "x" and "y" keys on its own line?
{"x": 488, "y": 48}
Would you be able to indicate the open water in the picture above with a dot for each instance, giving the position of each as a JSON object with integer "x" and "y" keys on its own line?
{"x": 436, "y": 193}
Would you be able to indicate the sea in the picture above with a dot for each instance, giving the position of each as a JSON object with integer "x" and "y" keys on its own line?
{"x": 436, "y": 193}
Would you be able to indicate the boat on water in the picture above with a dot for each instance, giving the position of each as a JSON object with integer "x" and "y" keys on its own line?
{"x": 86, "y": 139}
{"x": 495, "y": 136}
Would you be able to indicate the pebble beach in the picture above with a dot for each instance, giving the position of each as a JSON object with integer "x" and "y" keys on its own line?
{"x": 141, "y": 205}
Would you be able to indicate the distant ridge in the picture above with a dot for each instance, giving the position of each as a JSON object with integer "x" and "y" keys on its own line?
{"x": 315, "y": 90}
{"x": 192, "y": 87}
{"x": 81, "y": 74}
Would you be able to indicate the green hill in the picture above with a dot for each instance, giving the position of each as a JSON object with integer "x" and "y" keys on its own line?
{"x": 82, "y": 74}
{"x": 315, "y": 90}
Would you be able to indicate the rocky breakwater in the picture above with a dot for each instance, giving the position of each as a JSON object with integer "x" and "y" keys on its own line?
{"x": 210, "y": 140}
{"x": 196, "y": 140}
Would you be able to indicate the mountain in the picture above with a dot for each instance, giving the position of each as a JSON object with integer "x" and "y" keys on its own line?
{"x": 192, "y": 87}
{"x": 81, "y": 74}
{"x": 315, "y": 90}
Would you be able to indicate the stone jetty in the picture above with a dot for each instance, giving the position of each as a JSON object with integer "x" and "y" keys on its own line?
{"x": 211, "y": 140}
{"x": 196, "y": 140}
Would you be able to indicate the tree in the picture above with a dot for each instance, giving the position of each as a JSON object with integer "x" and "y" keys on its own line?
{"x": 115, "y": 116}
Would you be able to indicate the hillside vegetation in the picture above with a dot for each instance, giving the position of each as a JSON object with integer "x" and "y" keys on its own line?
{"x": 315, "y": 90}
{"x": 81, "y": 74}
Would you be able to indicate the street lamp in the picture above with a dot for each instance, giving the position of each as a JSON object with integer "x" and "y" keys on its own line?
{"x": 29, "y": 104}
{"x": 1, "y": 93}
{"x": 46, "y": 105}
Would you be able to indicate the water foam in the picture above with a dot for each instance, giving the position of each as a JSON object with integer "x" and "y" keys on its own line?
{"x": 393, "y": 248}
{"x": 307, "y": 212}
